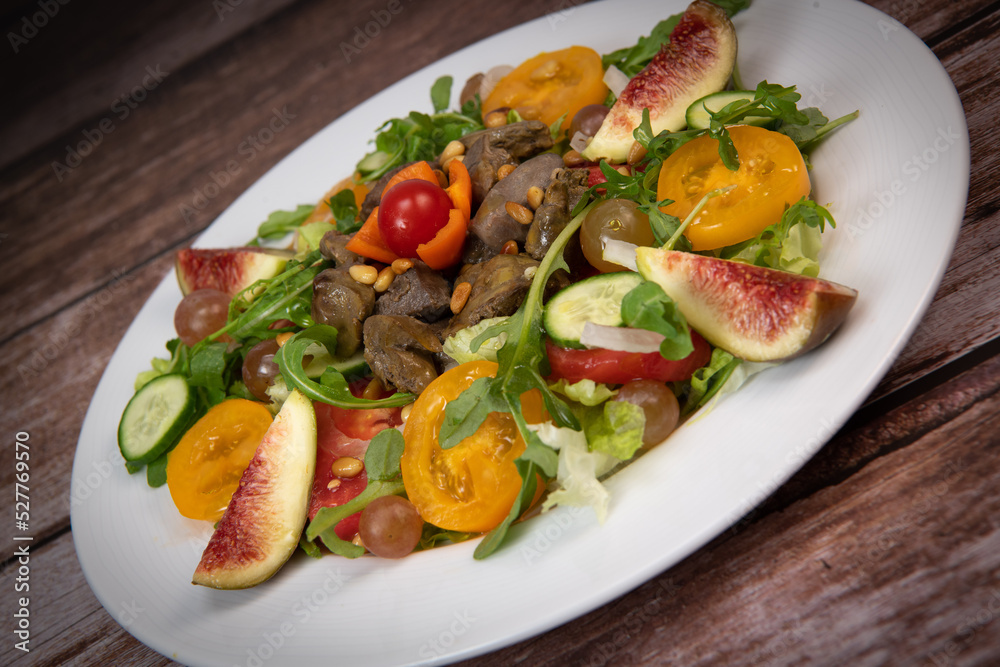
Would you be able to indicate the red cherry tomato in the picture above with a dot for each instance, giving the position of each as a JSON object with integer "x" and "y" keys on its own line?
{"x": 614, "y": 367}
{"x": 411, "y": 213}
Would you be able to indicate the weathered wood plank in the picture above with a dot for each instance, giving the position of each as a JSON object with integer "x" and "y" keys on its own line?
{"x": 59, "y": 78}
{"x": 963, "y": 315}
{"x": 56, "y": 367}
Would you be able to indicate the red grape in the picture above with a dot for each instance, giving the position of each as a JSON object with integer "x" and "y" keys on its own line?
{"x": 201, "y": 313}
{"x": 260, "y": 369}
{"x": 659, "y": 405}
{"x": 390, "y": 527}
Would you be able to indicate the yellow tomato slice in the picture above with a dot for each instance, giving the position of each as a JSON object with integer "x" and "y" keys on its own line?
{"x": 472, "y": 486}
{"x": 205, "y": 467}
{"x": 551, "y": 84}
{"x": 772, "y": 175}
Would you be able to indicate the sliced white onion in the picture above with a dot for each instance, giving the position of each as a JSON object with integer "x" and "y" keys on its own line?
{"x": 616, "y": 80}
{"x": 621, "y": 253}
{"x": 579, "y": 141}
{"x": 491, "y": 79}
{"x": 622, "y": 339}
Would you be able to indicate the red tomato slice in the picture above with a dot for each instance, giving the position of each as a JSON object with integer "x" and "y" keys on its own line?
{"x": 614, "y": 367}
{"x": 344, "y": 433}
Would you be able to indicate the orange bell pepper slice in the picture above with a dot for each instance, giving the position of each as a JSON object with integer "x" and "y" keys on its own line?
{"x": 460, "y": 187}
{"x": 322, "y": 211}
{"x": 445, "y": 249}
{"x": 416, "y": 171}
{"x": 368, "y": 242}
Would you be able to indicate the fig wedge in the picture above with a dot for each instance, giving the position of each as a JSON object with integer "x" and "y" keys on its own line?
{"x": 264, "y": 520}
{"x": 697, "y": 61}
{"x": 755, "y": 313}
{"x": 228, "y": 270}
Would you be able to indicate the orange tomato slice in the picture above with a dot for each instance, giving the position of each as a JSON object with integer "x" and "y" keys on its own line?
{"x": 551, "y": 84}
{"x": 772, "y": 176}
{"x": 472, "y": 486}
{"x": 205, "y": 467}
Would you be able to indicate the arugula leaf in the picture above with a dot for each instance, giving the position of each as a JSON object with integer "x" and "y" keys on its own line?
{"x": 420, "y": 136}
{"x": 648, "y": 307}
{"x": 281, "y": 223}
{"x": 382, "y": 467}
{"x": 434, "y": 536}
{"x": 286, "y": 296}
{"x": 441, "y": 93}
{"x": 332, "y": 387}
{"x": 633, "y": 59}
{"x": 522, "y": 361}
{"x": 345, "y": 211}
{"x": 156, "y": 471}
{"x": 529, "y": 483}
{"x": 208, "y": 366}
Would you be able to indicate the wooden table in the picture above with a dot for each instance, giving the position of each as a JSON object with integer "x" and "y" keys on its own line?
{"x": 884, "y": 549}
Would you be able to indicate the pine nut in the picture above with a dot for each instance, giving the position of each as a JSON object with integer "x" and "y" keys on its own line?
{"x": 333, "y": 484}
{"x": 453, "y": 149}
{"x": 401, "y": 265}
{"x": 522, "y": 214}
{"x": 385, "y": 278}
{"x": 447, "y": 164}
{"x": 496, "y": 118}
{"x": 366, "y": 274}
{"x": 460, "y": 296}
{"x": 282, "y": 338}
{"x": 404, "y": 414}
{"x": 504, "y": 171}
{"x": 509, "y": 248}
{"x": 347, "y": 466}
{"x": 623, "y": 170}
{"x": 374, "y": 390}
{"x": 572, "y": 158}
{"x": 636, "y": 153}
{"x": 535, "y": 197}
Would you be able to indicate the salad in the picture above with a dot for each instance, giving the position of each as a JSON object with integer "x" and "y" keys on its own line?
{"x": 502, "y": 305}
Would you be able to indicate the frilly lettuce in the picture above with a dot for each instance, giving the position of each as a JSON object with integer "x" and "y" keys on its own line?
{"x": 457, "y": 345}
{"x": 586, "y": 392}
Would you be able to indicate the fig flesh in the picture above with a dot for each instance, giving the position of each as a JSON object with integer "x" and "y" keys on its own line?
{"x": 264, "y": 520}
{"x": 755, "y": 313}
{"x": 228, "y": 270}
{"x": 697, "y": 61}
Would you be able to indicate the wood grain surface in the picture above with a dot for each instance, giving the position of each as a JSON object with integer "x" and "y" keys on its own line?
{"x": 883, "y": 549}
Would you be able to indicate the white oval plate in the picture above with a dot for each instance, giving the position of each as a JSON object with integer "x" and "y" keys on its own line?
{"x": 897, "y": 179}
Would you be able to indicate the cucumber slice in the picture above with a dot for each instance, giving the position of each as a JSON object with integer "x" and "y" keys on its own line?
{"x": 155, "y": 418}
{"x": 597, "y": 300}
{"x": 697, "y": 114}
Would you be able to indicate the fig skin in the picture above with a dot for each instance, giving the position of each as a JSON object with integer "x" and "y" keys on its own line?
{"x": 755, "y": 313}
{"x": 228, "y": 270}
{"x": 697, "y": 61}
{"x": 264, "y": 520}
